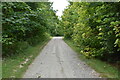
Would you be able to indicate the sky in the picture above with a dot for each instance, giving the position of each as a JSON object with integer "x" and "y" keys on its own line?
{"x": 59, "y": 5}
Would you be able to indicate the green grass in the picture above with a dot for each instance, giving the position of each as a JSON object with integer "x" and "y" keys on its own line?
{"x": 15, "y": 66}
{"x": 105, "y": 69}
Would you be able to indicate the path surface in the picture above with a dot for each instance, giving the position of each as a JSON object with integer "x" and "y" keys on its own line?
{"x": 58, "y": 60}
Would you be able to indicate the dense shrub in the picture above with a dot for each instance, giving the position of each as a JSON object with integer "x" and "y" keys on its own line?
{"x": 25, "y": 24}
{"x": 95, "y": 28}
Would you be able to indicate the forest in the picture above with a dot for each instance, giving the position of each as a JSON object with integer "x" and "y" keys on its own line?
{"x": 25, "y": 24}
{"x": 92, "y": 27}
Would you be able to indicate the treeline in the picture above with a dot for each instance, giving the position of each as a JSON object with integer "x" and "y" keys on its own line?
{"x": 26, "y": 24}
{"x": 94, "y": 28}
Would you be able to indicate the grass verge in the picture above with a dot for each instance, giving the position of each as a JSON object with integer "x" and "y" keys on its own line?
{"x": 15, "y": 66}
{"x": 105, "y": 69}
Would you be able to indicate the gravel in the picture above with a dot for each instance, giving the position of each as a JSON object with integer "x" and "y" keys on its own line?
{"x": 58, "y": 60}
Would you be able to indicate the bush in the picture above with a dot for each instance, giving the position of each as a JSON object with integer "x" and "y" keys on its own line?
{"x": 95, "y": 28}
{"x": 25, "y": 24}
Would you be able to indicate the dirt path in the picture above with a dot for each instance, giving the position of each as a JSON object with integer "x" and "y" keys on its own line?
{"x": 58, "y": 60}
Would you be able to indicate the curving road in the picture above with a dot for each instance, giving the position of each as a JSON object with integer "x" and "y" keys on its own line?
{"x": 58, "y": 60}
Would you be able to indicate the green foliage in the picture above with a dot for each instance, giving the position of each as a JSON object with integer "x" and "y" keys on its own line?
{"x": 95, "y": 28}
{"x": 106, "y": 70}
{"x": 26, "y": 23}
{"x": 18, "y": 60}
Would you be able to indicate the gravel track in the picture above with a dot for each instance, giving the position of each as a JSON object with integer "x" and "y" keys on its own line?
{"x": 58, "y": 60}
